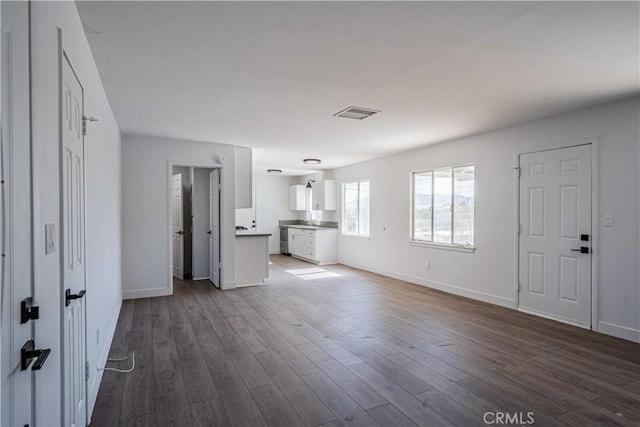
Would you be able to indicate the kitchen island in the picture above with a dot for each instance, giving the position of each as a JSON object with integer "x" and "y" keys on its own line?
{"x": 252, "y": 258}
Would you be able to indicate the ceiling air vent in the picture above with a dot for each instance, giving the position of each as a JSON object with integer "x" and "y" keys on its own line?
{"x": 357, "y": 113}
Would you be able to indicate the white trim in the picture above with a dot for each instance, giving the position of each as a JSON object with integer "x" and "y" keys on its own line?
{"x": 595, "y": 203}
{"x": 595, "y": 234}
{"x": 554, "y": 317}
{"x": 146, "y": 293}
{"x": 619, "y": 331}
{"x": 442, "y": 246}
{"x": 230, "y": 284}
{"x": 200, "y": 278}
{"x": 445, "y": 287}
{"x": 97, "y": 379}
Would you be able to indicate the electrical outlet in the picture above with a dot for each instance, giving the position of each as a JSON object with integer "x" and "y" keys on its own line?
{"x": 97, "y": 336}
{"x": 49, "y": 238}
{"x": 428, "y": 266}
{"x": 608, "y": 220}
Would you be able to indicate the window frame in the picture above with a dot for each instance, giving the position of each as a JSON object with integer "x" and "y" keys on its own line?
{"x": 441, "y": 245}
{"x": 342, "y": 226}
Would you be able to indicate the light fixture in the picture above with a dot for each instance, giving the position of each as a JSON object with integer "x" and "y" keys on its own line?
{"x": 312, "y": 161}
{"x": 356, "y": 113}
{"x": 274, "y": 170}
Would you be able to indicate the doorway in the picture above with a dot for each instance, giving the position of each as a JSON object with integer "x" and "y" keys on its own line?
{"x": 556, "y": 240}
{"x": 195, "y": 223}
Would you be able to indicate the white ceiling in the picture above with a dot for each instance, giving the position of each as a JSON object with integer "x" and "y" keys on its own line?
{"x": 271, "y": 75}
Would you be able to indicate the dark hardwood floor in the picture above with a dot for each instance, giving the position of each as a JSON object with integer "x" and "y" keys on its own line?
{"x": 357, "y": 349}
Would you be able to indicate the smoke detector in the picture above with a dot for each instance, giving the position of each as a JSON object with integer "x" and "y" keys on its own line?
{"x": 356, "y": 113}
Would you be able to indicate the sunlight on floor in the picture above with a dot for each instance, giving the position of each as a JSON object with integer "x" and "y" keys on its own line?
{"x": 312, "y": 273}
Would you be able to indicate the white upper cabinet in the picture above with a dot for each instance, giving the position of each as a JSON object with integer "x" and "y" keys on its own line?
{"x": 297, "y": 198}
{"x": 243, "y": 177}
{"x": 323, "y": 195}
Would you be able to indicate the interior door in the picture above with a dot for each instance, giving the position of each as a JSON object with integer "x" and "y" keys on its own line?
{"x": 214, "y": 227}
{"x": 177, "y": 226}
{"x": 555, "y": 236}
{"x": 16, "y": 401}
{"x": 73, "y": 250}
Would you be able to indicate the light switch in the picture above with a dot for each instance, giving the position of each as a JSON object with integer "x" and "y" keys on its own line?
{"x": 608, "y": 221}
{"x": 50, "y": 238}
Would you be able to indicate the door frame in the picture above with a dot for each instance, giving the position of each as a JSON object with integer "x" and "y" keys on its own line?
{"x": 595, "y": 215}
{"x": 186, "y": 164}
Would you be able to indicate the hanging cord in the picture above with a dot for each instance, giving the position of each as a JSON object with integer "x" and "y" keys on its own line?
{"x": 124, "y": 371}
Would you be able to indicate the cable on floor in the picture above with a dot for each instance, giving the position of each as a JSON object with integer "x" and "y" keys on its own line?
{"x": 124, "y": 371}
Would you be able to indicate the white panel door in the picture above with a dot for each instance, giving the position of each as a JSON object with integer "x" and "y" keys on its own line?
{"x": 15, "y": 220}
{"x": 177, "y": 226}
{"x": 214, "y": 227}
{"x": 73, "y": 251}
{"x": 555, "y": 221}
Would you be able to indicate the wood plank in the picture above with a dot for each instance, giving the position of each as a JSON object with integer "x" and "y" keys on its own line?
{"x": 389, "y": 415}
{"x": 209, "y": 413}
{"x": 339, "y": 403}
{"x": 238, "y": 404}
{"x": 275, "y": 408}
{"x": 303, "y": 400}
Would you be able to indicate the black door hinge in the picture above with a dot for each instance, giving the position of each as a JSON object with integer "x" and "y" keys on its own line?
{"x": 28, "y": 311}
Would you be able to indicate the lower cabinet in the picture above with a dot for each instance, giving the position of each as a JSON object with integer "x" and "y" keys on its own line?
{"x": 318, "y": 246}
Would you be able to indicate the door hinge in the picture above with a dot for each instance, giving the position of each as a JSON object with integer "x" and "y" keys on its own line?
{"x": 86, "y": 371}
{"x": 519, "y": 286}
{"x": 28, "y": 311}
{"x": 517, "y": 169}
{"x": 519, "y": 228}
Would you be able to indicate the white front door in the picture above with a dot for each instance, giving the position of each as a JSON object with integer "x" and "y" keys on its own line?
{"x": 555, "y": 221}
{"x": 177, "y": 226}
{"x": 214, "y": 227}
{"x": 73, "y": 250}
{"x": 15, "y": 221}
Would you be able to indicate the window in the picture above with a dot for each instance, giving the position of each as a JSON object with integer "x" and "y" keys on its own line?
{"x": 443, "y": 206}
{"x": 355, "y": 208}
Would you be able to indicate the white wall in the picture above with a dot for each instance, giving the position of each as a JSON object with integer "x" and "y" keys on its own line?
{"x": 272, "y": 205}
{"x": 102, "y": 157}
{"x": 145, "y": 210}
{"x": 488, "y": 274}
{"x": 201, "y": 223}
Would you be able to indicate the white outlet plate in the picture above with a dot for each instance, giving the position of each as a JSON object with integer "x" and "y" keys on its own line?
{"x": 49, "y": 238}
{"x": 608, "y": 221}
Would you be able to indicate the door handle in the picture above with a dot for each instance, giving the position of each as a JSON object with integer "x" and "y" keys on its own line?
{"x": 28, "y": 353}
{"x": 582, "y": 250}
{"x": 68, "y": 296}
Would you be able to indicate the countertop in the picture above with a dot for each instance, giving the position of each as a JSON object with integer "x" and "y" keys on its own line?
{"x": 309, "y": 227}
{"x": 250, "y": 233}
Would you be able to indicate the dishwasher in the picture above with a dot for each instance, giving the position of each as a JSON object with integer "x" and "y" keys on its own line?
{"x": 284, "y": 240}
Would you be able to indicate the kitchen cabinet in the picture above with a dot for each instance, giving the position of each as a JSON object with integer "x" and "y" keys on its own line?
{"x": 243, "y": 177}
{"x": 323, "y": 195}
{"x": 319, "y": 246}
{"x": 297, "y": 198}
{"x": 295, "y": 241}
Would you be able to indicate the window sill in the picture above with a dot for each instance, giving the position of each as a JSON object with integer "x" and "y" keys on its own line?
{"x": 443, "y": 246}
{"x": 356, "y": 236}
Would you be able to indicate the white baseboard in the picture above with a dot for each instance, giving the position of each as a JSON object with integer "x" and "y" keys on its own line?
{"x": 200, "y": 278}
{"x": 618, "y": 331}
{"x": 230, "y": 284}
{"x": 146, "y": 293}
{"x": 445, "y": 287}
{"x": 554, "y": 317}
{"x": 97, "y": 379}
